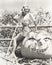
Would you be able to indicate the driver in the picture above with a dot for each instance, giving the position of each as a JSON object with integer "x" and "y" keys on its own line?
{"x": 24, "y": 11}
{"x": 25, "y": 29}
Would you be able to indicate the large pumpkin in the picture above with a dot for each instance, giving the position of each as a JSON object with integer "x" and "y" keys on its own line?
{"x": 37, "y": 45}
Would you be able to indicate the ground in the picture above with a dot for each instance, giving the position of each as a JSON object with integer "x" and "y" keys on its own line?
{"x": 23, "y": 61}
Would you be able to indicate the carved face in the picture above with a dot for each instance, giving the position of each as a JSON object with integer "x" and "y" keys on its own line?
{"x": 37, "y": 44}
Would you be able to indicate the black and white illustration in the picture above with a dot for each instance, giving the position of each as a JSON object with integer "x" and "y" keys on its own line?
{"x": 25, "y": 32}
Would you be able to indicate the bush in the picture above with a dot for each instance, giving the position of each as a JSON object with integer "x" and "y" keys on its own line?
{"x": 8, "y": 18}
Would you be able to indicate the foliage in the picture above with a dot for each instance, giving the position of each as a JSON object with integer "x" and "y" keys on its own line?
{"x": 43, "y": 18}
{"x": 8, "y": 18}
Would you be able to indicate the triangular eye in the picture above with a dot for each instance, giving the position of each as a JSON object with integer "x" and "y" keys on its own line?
{"x": 47, "y": 38}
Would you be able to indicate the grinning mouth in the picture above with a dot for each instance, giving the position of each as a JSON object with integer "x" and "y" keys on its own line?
{"x": 40, "y": 50}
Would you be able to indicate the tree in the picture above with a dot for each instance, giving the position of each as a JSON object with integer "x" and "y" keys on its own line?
{"x": 8, "y": 18}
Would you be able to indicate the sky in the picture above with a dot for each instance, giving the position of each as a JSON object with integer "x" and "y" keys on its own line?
{"x": 13, "y": 5}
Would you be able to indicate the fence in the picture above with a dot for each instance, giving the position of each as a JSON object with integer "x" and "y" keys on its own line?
{"x": 8, "y": 40}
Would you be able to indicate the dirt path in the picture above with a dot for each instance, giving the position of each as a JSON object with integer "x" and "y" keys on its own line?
{"x": 21, "y": 61}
